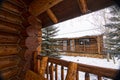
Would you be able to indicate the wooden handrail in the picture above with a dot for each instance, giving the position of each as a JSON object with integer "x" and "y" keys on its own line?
{"x": 56, "y": 61}
{"x": 106, "y": 72}
{"x": 99, "y": 71}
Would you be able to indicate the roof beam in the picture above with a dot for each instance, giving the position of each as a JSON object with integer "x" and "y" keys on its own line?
{"x": 39, "y": 6}
{"x": 83, "y": 6}
{"x": 52, "y": 16}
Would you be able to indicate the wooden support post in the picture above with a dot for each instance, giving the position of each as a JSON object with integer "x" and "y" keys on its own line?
{"x": 72, "y": 71}
{"x": 83, "y": 6}
{"x": 36, "y": 63}
{"x": 52, "y": 16}
{"x": 33, "y": 42}
{"x": 43, "y": 65}
{"x": 99, "y": 44}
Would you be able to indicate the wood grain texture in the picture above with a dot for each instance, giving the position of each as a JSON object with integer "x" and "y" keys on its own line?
{"x": 6, "y": 50}
{"x": 43, "y": 65}
{"x": 10, "y": 16}
{"x": 52, "y": 16}
{"x": 9, "y": 21}
{"x": 10, "y": 6}
{"x": 7, "y": 74}
{"x": 6, "y": 38}
{"x": 8, "y": 62}
{"x": 39, "y": 6}
{"x": 33, "y": 76}
{"x": 16, "y": 3}
{"x": 36, "y": 63}
{"x": 8, "y": 26}
{"x": 72, "y": 71}
{"x": 83, "y": 6}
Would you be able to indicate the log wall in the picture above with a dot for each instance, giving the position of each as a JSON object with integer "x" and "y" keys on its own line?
{"x": 20, "y": 36}
{"x": 11, "y": 49}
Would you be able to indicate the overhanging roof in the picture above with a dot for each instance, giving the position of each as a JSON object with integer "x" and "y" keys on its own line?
{"x": 68, "y": 9}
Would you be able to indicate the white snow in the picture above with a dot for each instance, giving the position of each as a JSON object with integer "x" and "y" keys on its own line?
{"x": 89, "y": 61}
{"x": 87, "y": 25}
{"x": 93, "y": 61}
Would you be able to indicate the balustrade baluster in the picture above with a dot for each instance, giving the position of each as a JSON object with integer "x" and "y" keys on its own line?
{"x": 99, "y": 78}
{"x": 47, "y": 70}
{"x": 51, "y": 71}
{"x": 77, "y": 75}
{"x": 87, "y": 76}
{"x": 56, "y": 72}
{"x": 62, "y": 73}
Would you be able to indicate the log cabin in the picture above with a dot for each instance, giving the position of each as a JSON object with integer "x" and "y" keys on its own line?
{"x": 21, "y": 22}
{"x": 85, "y": 44}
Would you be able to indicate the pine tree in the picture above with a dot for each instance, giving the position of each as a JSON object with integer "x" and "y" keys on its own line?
{"x": 113, "y": 35}
{"x": 48, "y": 41}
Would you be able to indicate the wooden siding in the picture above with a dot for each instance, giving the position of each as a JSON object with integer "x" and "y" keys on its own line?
{"x": 92, "y": 46}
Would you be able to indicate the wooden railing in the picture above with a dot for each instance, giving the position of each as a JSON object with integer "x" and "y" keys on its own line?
{"x": 57, "y": 69}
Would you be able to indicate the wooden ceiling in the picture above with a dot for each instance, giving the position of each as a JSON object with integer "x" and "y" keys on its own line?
{"x": 54, "y": 11}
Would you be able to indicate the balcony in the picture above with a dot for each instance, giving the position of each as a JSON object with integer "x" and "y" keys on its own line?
{"x": 57, "y": 69}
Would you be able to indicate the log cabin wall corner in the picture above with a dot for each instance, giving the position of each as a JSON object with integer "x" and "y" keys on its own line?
{"x": 20, "y": 36}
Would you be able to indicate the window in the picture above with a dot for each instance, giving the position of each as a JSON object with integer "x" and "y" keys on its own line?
{"x": 60, "y": 43}
{"x": 84, "y": 41}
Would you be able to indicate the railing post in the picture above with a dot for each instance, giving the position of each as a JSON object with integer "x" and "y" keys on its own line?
{"x": 51, "y": 71}
{"x": 72, "y": 71}
{"x": 99, "y": 78}
{"x": 87, "y": 76}
{"x": 36, "y": 62}
{"x": 43, "y": 65}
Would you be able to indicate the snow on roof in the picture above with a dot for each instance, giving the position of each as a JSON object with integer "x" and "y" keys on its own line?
{"x": 79, "y": 34}
{"x": 86, "y": 25}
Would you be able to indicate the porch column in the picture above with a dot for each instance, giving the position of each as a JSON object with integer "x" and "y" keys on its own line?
{"x": 33, "y": 41}
{"x": 99, "y": 44}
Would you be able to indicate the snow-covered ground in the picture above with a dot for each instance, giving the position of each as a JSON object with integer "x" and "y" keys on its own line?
{"x": 93, "y": 61}
{"x": 88, "y": 61}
